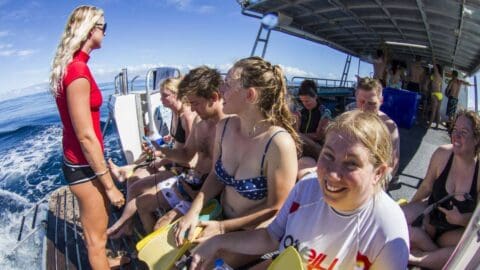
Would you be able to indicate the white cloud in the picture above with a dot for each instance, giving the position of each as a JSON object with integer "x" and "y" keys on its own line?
{"x": 294, "y": 71}
{"x": 7, "y": 53}
{"x": 180, "y": 4}
{"x": 206, "y": 9}
{"x": 6, "y": 50}
{"x": 3, "y": 33}
{"x": 189, "y": 6}
{"x": 133, "y": 70}
{"x": 25, "y": 52}
{"x": 5, "y": 46}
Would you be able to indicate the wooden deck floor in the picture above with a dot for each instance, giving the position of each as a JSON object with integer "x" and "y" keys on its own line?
{"x": 65, "y": 248}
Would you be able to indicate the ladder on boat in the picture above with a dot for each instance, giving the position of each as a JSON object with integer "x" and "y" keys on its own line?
{"x": 346, "y": 69}
{"x": 262, "y": 38}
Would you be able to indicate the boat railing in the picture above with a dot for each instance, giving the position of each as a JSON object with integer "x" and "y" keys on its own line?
{"x": 34, "y": 227}
{"x": 132, "y": 82}
{"x": 121, "y": 82}
{"x": 153, "y": 80}
{"x": 323, "y": 82}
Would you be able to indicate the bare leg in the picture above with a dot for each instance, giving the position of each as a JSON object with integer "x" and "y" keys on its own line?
{"x": 432, "y": 260}
{"x": 433, "y": 113}
{"x": 92, "y": 202}
{"x": 134, "y": 191}
{"x": 413, "y": 210}
{"x": 147, "y": 203}
{"x": 119, "y": 174}
{"x": 450, "y": 238}
{"x": 437, "y": 115}
{"x": 168, "y": 218}
{"x": 420, "y": 239}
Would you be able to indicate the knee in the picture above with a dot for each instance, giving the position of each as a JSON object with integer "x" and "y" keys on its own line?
{"x": 96, "y": 242}
{"x": 144, "y": 203}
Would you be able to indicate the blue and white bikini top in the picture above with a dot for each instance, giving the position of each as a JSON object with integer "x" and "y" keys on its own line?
{"x": 254, "y": 188}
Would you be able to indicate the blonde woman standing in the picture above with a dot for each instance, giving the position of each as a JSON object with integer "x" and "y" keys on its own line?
{"x": 78, "y": 100}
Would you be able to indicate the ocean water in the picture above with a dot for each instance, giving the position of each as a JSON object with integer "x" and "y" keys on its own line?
{"x": 30, "y": 168}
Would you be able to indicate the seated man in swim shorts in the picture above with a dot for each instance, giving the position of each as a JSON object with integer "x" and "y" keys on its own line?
{"x": 164, "y": 190}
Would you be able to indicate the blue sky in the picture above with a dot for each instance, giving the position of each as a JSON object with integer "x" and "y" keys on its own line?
{"x": 143, "y": 34}
{"x": 147, "y": 33}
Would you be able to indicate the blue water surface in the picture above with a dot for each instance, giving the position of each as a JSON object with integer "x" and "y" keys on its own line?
{"x": 30, "y": 167}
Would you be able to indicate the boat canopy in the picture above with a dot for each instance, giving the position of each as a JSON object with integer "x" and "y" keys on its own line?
{"x": 448, "y": 30}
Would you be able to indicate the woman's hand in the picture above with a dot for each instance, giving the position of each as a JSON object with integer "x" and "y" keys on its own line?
{"x": 453, "y": 216}
{"x": 185, "y": 228}
{"x": 167, "y": 138}
{"x": 204, "y": 255}
{"x": 210, "y": 229}
{"x": 156, "y": 164}
{"x": 115, "y": 196}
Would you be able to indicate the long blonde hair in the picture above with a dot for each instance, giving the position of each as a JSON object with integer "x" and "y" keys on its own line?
{"x": 269, "y": 79}
{"x": 171, "y": 84}
{"x": 79, "y": 24}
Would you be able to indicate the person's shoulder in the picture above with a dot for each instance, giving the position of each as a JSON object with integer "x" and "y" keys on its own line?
{"x": 280, "y": 139}
{"x": 308, "y": 190}
{"x": 443, "y": 152}
{"x": 389, "y": 216}
{"x": 77, "y": 67}
{"x": 391, "y": 125}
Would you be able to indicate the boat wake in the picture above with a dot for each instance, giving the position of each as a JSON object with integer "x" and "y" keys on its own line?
{"x": 30, "y": 171}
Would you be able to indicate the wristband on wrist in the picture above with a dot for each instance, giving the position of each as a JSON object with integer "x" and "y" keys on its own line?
{"x": 102, "y": 173}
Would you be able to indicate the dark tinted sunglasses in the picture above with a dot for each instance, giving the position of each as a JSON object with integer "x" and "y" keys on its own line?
{"x": 102, "y": 26}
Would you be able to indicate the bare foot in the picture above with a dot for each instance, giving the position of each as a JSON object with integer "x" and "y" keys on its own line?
{"x": 118, "y": 173}
{"x": 119, "y": 229}
{"x": 118, "y": 261}
{"x": 166, "y": 219}
{"x": 415, "y": 257}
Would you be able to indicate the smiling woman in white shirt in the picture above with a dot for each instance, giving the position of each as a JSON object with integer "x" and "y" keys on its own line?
{"x": 341, "y": 219}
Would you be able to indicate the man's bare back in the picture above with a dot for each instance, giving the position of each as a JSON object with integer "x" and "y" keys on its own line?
{"x": 416, "y": 72}
{"x": 455, "y": 85}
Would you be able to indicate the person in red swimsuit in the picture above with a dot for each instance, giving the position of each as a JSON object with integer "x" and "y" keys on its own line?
{"x": 78, "y": 100}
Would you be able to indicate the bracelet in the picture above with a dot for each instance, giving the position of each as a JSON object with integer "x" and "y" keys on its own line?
{"x": 102, "y": 173}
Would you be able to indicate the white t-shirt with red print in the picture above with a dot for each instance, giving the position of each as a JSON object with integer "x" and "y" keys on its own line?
{"x": 376, "y": 233}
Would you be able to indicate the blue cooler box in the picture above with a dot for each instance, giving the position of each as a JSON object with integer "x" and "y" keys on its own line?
{"x": 401, "y": 106}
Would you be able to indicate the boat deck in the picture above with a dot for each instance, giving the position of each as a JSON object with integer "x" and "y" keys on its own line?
{"x": 416, "y": 148}
{"x": 64, "y": 245}
{"x": 64, "y": 241}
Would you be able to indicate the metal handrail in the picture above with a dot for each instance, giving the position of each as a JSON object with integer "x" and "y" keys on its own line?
{"x": 131, "y": 82}
{"x": 317, "y": 80}
{"x": 35, "y": 209}
{"x": 115, "y": 83}
{"x": 147, "y": 92}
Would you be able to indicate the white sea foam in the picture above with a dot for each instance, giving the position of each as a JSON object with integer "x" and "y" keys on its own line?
{"x": 27, "y": 255}
{"x": 30, "y": 154}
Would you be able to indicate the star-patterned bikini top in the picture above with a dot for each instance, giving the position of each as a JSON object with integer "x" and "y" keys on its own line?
{"x": 254, "y": 188}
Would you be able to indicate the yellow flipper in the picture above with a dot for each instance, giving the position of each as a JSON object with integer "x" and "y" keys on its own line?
{"x": 160, "y": 253}
{"x": 289, "y": 259}
{"x": 402, "y": 201}
{"x": 158, "y": 249}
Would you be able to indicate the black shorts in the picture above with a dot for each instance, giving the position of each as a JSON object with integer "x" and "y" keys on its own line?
{"x": 77, "y": 174}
